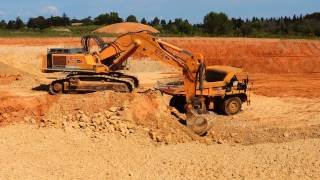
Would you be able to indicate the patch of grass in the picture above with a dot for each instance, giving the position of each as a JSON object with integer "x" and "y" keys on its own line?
{"x": 70, "y": 31}
{"x": 78, "y": 31}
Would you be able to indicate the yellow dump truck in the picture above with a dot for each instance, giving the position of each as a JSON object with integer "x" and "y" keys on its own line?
{"x": 223, "y": 89}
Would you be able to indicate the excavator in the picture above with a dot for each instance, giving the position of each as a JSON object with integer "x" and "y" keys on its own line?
{"x": 98, "y": 70}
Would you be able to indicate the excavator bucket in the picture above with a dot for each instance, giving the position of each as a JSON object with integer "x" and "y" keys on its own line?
{"x": 200, "y": 123}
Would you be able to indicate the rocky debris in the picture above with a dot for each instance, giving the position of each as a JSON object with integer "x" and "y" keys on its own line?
{"x": 126, "y": 115}
{"x": 108, "y": 121}
{"x": 286, "y": 135}
{"x": 155, "y": 136}
{"x": 159, "y": 137}
{"x": 11, "y": 77}
{"x": 29, "y": 119}
{"x": 115, "y": 109}
{"x": 4, "y": 115}
{"x": 220, "y": 141}
{"x": 233, "y": 135}
{"x": 211, "y": 133}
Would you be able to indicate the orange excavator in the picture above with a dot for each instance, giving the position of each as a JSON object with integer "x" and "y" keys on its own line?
{"x": 98, "y": 70}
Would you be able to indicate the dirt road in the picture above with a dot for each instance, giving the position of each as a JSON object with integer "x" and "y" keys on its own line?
{"x": 108, "y": 135}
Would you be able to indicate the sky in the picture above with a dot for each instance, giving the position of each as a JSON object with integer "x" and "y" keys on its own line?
{"x": 193, "y": 10}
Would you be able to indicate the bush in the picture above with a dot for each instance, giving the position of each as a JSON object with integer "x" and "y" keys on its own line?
{"x": 38, "y": 23}
{"x": 131, "y": 18}
{"x": 217, "y": 23}
{"x": 111, "y": 18}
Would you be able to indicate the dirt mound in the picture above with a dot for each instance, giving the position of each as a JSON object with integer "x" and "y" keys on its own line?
{"x": 9, "y": 74}
{"x": 121, "y": 28}
{"x": 8, "y": 70}
{"x": 145, "y": 115}
{"x": 15, "y": 107}
{"x": 7, "y": 79}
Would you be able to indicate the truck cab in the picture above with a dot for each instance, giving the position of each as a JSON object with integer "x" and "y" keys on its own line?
{"x": 225, "y": 89}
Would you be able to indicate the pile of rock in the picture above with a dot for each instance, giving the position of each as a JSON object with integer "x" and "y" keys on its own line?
{"x": 109, "y": 121}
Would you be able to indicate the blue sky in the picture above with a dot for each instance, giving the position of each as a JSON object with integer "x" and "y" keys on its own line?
{"x": 194, "y": 10}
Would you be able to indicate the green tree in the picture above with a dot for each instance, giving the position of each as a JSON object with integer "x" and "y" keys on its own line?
{"x": 111, "y": 18}
{"x": 317, "y": 31}
{"x": 19, "y": 23}
{"x": 163, "y": 22}
{"x": 65, "y": 20}
{"x": 183, "y": 26}
{"x": 237, "y": 23}
{"x": 303, "y": 28}
{"x": 217, "y": 23}
{"x": 283, "y": 28}
{"x": 131, "y": 18}
{"x": 87, "y": 21}
{"x": 257, "y": 25}
{"x": 155, "y": 22}
{"x": 59, "y": 21}
{"x": 3, "y": 24}
{"x": 11, "y": 24}
{"x": 101, "y": 19}
{"x": 114, "y": 18}
{"x": 144, "y": 21}
{"x": 246, "y": 29}
{"x": 74, "y": 20}
{"x": 313, "y": 16}
{"x": 37, "y": 23}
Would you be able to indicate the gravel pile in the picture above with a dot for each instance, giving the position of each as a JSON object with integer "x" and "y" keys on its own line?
{"x": 109, "y": 121}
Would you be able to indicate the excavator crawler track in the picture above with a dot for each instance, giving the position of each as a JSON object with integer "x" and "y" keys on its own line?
{"x": 94, "y": 82}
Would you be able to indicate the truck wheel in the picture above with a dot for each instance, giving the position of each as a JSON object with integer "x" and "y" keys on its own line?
{"x": 232, "y": 106}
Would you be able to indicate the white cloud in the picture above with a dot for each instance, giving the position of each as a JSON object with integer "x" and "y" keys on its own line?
{"x": 52, "y": 10}
{"x": 2, "y": 13}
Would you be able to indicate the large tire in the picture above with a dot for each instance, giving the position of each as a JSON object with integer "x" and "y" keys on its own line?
{"x": 232, "y": 106}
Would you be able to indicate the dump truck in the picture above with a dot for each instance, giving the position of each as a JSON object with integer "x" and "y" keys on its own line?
{"x": 225, "y": 89}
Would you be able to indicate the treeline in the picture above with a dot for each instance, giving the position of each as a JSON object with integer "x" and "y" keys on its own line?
{"x": 214, "y": 24}
{"x": 38, "y": 23}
